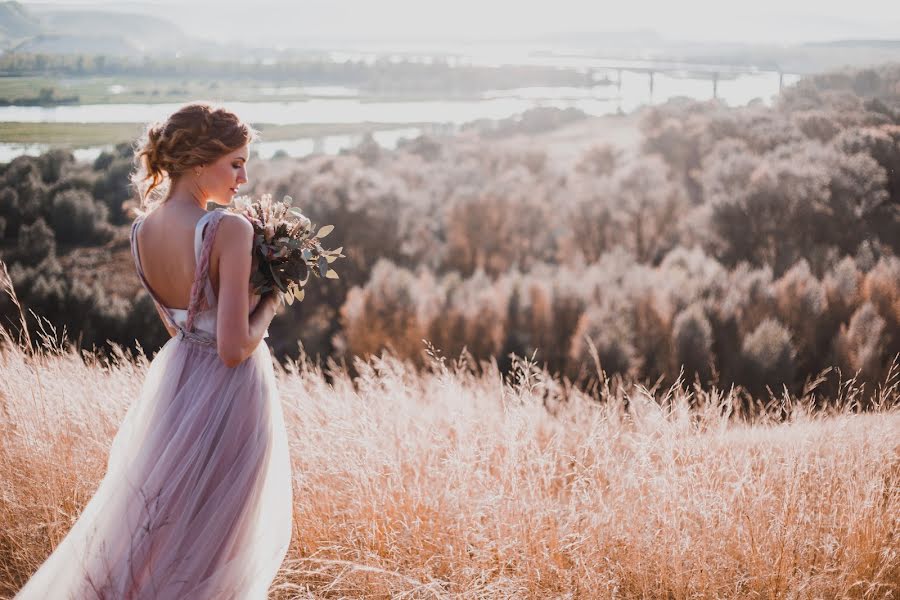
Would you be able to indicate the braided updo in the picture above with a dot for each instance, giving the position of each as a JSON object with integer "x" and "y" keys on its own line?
{"x": 196, "y": 134}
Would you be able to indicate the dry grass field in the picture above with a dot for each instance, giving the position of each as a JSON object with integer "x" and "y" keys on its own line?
{"x": 458, "y": 482}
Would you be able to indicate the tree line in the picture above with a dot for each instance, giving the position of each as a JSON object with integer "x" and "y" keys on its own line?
{"x": 380, "y": 75}
{"x": 755, "y": 246}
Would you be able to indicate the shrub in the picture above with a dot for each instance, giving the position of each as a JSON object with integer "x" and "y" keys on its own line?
{"x": 112, "y": 187}
{"x": 9, "y": 211}
{"x": 843, "y": 288}
{"x": 77, "y": 219}
{"x": 503, "y": 225}
{"x": 859, "y": 345}
{"x": 54, "y": 163}
{"x": 692, "y": 343}
{"x": 35, "y": 243}
{"x": 817, "y": 124}
{"x": 599, "y": 160}
{"x": 645, "y": 208}
{"x": 881, "y": 287}
{"x": 387, "y": 313}
{"x": 802, "y": 304}
{"x": 768, "y": 358}
{"x": 882, "y": 144}
{"x": 471, "y": 314}
{"x": 25, "y": 201}
{"x": 544, "y": 309}
{"x": 679, "y": 140}
{"x": 609, "y": 334}
{"x": 590, "y": 227}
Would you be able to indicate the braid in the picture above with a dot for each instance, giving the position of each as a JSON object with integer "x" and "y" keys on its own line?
{"x": 198, "y": 298}
{"x": 196, "y": 134}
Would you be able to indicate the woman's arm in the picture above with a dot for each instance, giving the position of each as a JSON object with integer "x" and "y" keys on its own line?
{"x": 238, "y": 335}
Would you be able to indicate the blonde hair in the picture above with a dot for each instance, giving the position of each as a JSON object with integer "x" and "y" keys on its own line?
{"x": 196, "y": 134}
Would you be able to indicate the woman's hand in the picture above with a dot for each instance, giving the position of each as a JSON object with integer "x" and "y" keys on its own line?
{"x": 273, "y": 297}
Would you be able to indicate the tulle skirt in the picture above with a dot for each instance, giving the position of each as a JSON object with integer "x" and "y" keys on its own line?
{"x": 196, "y": 501}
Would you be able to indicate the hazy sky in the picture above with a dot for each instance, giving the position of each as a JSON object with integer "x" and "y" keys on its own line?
{"x": 785, "y": 21}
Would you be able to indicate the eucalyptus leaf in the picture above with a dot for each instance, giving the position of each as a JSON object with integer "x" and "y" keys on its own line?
{"x": 323, "y": 265}
{"x": 325, "y": 230}
{"x": 277, "y": 279}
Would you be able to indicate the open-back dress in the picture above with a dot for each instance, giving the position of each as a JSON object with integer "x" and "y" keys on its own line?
{"x": 196, "y": 500}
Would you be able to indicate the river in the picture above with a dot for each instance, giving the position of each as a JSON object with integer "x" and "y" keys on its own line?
{"x": 633, "y": 90}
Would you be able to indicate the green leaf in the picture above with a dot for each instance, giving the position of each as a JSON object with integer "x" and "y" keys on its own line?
{"x": 332, "y": 274}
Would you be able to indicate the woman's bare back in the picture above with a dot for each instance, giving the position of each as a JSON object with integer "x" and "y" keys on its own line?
{"x": 166, "y": 247}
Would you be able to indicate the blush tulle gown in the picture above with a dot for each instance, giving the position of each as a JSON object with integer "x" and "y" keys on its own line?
{"x": 196, "y": 500}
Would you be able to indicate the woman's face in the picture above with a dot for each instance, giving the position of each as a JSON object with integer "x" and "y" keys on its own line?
{"x": 221, "y": 179}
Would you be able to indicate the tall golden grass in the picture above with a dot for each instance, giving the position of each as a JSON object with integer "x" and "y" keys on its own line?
{"x": 459, "y": 482}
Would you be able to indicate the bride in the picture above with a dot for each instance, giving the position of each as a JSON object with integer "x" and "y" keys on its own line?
{"x": 196, "y": 499}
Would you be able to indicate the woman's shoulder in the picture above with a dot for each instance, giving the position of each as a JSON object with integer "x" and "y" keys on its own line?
{"x": 234, "y": 223}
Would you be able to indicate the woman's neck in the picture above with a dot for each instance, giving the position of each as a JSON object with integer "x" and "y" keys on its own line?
{"x": 186, "y": 193}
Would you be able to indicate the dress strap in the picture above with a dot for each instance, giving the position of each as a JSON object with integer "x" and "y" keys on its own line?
{"x": 201, "y": 289}
{"x": 199, "y": 231}
{"x": 140, "y": 271}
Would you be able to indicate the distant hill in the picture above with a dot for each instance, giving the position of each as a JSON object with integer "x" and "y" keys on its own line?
{"x": 66, "y": 31}
{"x": 894, "y": 44}
{"x": 78, "y": 44}
{"x": 603, "y": 39}
{"x": 16, "y": 23}
{"x": 146, "y": 33}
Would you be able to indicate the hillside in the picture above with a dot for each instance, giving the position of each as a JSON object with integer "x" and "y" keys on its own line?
{"x": 479, "y": 485}
{"x": 16, "y": 23}
{"x": 47, "y": 29}
{"x": 144, "y": 32}
{"x": 78, "y": 44}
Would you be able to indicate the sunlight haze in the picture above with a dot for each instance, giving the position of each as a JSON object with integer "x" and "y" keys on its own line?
{"x": 693, "y": 20}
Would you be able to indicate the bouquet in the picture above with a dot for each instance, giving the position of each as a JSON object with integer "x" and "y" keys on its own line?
{"x": 284, "y": 249}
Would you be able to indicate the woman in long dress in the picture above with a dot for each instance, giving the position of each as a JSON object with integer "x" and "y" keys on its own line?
{"x": 196, "y": 500}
